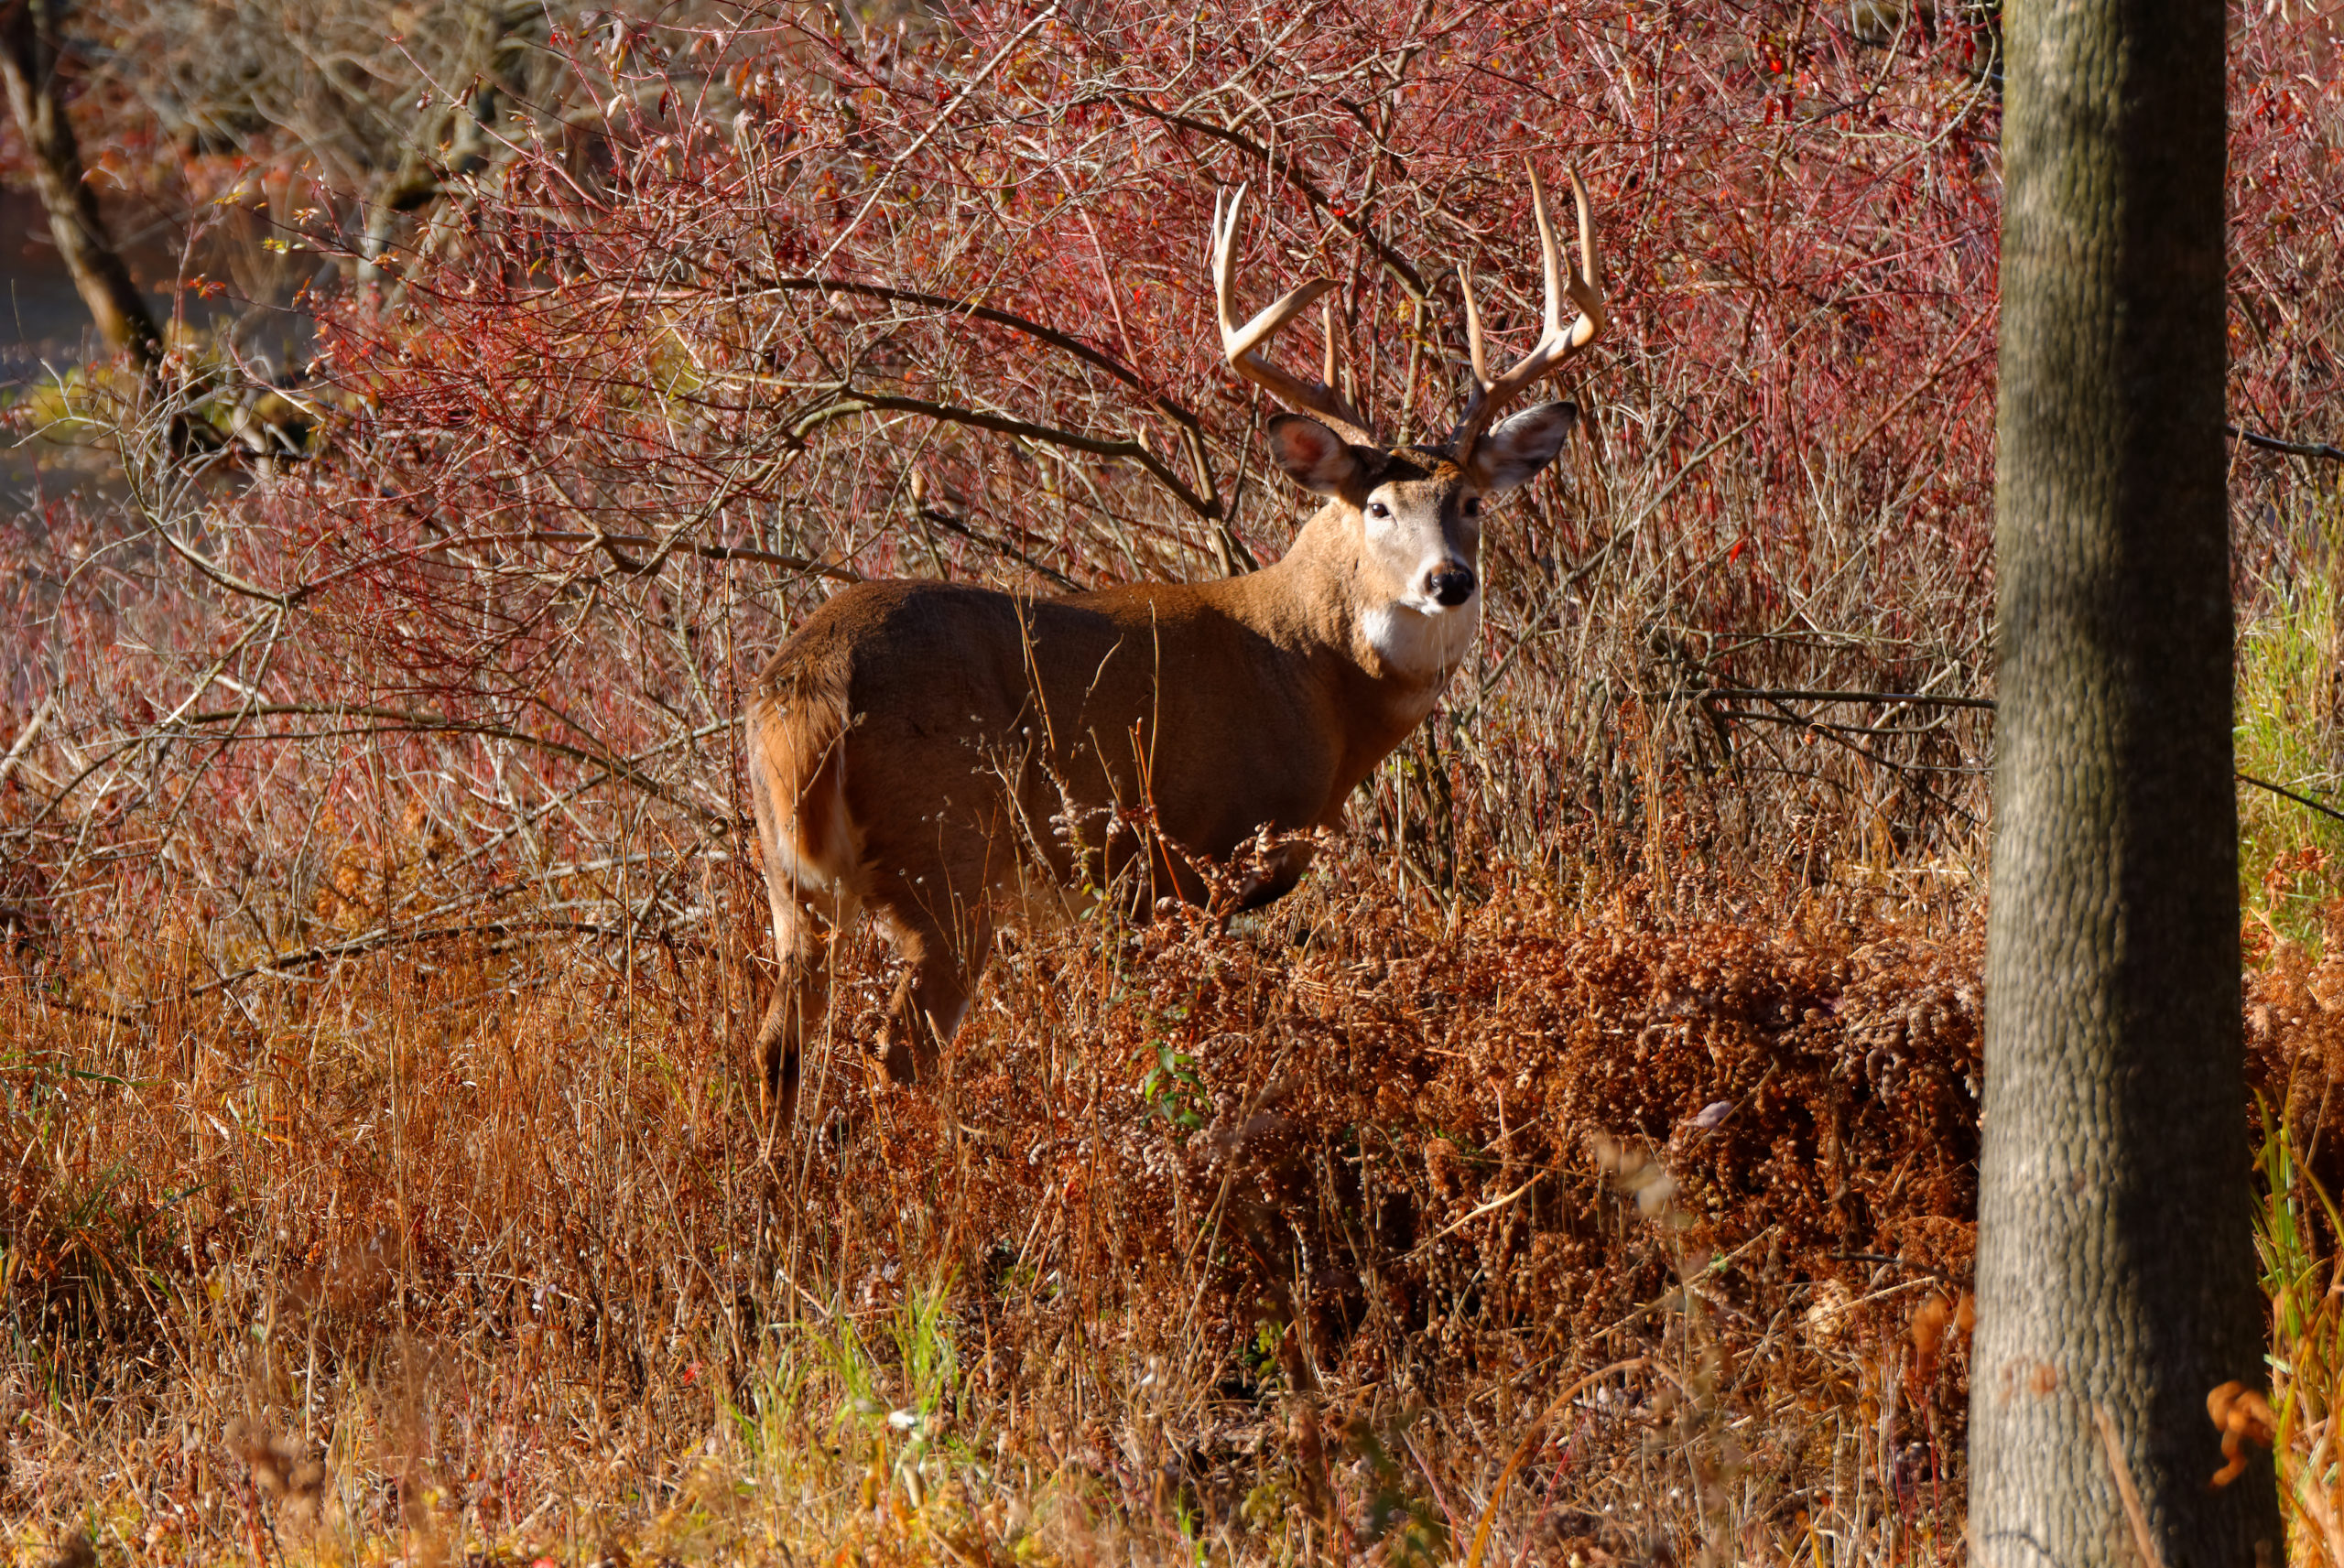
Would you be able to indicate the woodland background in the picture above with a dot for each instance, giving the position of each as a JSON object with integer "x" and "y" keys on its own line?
{"x": 1582, "y": 1160}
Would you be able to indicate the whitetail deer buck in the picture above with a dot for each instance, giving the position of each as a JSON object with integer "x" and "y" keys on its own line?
{"x": 921, "y": 750}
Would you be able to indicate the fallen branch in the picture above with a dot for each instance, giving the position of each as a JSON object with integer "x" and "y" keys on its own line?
{"x": 378, "y": 940}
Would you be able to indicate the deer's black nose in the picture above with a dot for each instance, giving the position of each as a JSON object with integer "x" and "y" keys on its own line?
{"x": 1452, "y": 586}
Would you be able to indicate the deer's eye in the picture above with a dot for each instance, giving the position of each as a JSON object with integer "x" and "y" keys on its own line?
{"x": 1377, "y": 509}
{"x": 1473, "y": 507}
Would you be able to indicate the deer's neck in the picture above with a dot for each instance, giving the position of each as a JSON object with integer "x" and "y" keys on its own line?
{"x": 1324, "y": 595}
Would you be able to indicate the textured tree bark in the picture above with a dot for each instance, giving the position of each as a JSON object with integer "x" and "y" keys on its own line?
{"x": 2116, "y": 1265}
{"x": 27, "y": 69}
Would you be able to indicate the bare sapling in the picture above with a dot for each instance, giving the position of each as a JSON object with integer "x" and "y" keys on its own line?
{"x": 943, "y": 756}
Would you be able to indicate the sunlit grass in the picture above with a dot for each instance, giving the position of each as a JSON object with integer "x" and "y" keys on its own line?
{"x": 2296, "y": 1227}
{"x": 2290, "y": 682}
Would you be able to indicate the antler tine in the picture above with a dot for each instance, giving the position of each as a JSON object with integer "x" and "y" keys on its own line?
{"x": 1241, "y": 344}
{"x": 1480, "y": 390}
{"x": 1472, "y": 330}
{"x": 1582, "y": 286}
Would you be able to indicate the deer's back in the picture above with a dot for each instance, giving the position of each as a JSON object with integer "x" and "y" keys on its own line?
{"x": 959, "y": 702}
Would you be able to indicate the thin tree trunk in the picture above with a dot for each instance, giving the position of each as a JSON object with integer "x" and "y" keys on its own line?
{"x": 2116, "y": 1267}
{"x": 29, "y": 68}
{"x": 454, "y": 140}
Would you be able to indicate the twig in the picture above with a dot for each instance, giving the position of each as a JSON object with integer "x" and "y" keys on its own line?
{"x": 2292, "y": 449}
{"x": 949, "y": 305}
{"x": 951, "y": 524}
{"x": 1837, "y": 733}
{"x": 1718, "y": 694}
{"x": 1801, "y": 722}
{"x": 396, "y": 721}
{"x": 1530, "y": 1440}
{"x": 86, "y": 1009}
{"x": 1398, "y": 265}
{"x": 852, "y": 402}
{"x": 30, "y": 733}
{"x": 2291, "y": 794}
{"x": 1918, "y": 699}
{"x": 1491, "y": 1207}
{"x": 376, "y": 940}
{"x": 944, "y": 115}
{"x": 1192, "y": 431}
{"x": 2141, "y": 1539}
{"x": 706, "y": 552}
{"x": 1627, "y": 530}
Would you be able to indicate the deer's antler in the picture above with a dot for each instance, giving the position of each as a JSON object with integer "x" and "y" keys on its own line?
{"x": 1243, "y": 344}
{"x": 1583, "y": 287}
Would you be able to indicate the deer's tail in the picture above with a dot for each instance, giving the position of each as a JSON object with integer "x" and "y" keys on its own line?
{"x": 797, "y": 726}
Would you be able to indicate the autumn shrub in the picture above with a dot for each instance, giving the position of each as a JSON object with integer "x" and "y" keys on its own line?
{"x": 795, "y": 305}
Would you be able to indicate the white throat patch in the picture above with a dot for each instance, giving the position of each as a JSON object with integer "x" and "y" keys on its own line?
{"x": 1426, "y": 646}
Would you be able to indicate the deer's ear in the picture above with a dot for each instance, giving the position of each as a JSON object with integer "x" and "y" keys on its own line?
{"x": 1313, "y": 456}
{"x": 1512, "y": 454}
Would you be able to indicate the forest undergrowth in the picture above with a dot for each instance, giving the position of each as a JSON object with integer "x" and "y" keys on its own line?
{"x": 1622, "y": 1220}
{"x": 1629, "y": 1222}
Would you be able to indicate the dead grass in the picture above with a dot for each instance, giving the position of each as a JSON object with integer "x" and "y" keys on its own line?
{"x": 1259, "y": 1244}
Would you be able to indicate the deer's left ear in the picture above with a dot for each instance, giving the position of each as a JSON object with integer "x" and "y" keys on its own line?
{"x": 1313, "y": 456}
{"x": 1514, "y": 452}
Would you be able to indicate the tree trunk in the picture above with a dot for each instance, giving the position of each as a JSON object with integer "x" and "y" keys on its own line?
{"x": 28, "y": 67}
{"x": 2116, "y": 1269}
{"x": 454, "y": 140}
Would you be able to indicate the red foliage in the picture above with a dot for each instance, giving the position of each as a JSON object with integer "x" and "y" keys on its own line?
{"x": 791, "y": 305}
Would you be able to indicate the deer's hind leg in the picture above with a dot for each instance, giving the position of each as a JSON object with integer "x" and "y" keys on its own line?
{"x": 941, "y": 923}
{"x": 805, "y": 930}
{"x": 940, "y": 980}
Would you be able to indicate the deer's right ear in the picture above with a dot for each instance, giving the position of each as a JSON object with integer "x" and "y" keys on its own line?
{"x": 1313, "y": 456}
